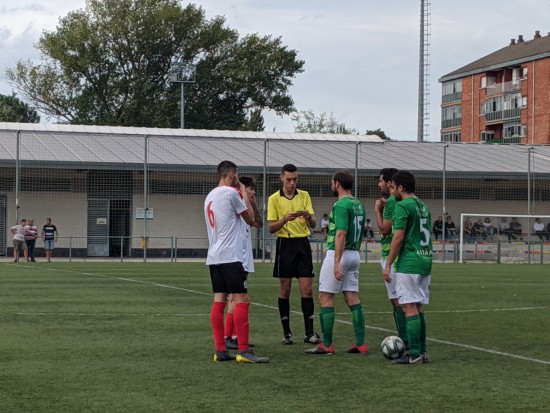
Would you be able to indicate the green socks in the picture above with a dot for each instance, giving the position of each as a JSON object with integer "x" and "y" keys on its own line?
{"x": 358, "y": 322}
{"x": 326, "y": 316}
{"x": 414, "y": 327}
{"x": 400, "y": 324}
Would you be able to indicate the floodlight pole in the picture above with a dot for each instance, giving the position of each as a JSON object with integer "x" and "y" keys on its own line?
{"x": 182, "y": 73}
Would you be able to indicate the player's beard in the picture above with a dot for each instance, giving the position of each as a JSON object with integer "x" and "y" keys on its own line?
{"x": 335, "y": 193}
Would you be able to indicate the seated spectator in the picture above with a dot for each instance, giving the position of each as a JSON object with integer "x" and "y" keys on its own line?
{"x": 324, "y": 225}
{"x": 450, "y": 228}
{"x": 438, "y": 227}
{"x": 504, "y": 228}
{"x": 478, "y": 230}
{"x": 539, "y": 227}
{"x": 468, "y": 230}
{"x": 489, "y": 229}
{"x": 515, "y": 227}
{"x": 369, "y": 233}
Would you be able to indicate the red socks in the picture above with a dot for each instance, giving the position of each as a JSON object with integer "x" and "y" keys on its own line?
{"x": 242, "y": 325}
{"x": 216, "y": 320}
{"x": 229, "y": 325}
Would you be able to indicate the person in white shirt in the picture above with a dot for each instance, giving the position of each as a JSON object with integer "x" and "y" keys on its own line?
{"x": 18, "y": 232}
{"x": 231, "y": 338}
{"x": 324, "y": 225}
{"x": 538, "y": 227}
{"x": 223, "y": 208}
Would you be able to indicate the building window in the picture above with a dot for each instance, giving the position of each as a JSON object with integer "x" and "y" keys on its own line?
{"x": 451, "y": 116}
{"x": 487, "y": 135}
{"x": 487, "y": 81}
{"x": 451, "y": 136}
{"x": 452, "y": 91}
{"x": 514, "y": 130}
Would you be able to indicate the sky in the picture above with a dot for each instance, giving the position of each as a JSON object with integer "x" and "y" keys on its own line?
{"x": 361, "y": 56}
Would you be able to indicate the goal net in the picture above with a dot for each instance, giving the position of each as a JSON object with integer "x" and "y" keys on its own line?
{"x": 503, "y": 238}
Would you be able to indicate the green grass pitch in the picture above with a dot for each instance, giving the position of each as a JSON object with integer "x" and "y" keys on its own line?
{"x": 134, "y": 337}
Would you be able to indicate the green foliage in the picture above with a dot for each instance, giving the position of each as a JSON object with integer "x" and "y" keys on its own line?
{"x": 108, "y": 64}
{"x": 379, "y": 132}
{"x": 306, "y": 121}
{"x": 136, "y": 337}
{"x": 13, "y": 109}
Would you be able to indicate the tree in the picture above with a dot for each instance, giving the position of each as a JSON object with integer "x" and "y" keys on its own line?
{"x": 379, "y": 132}
{"x": 13, "y": 109}
{"x": 306, "y": 121}
{"x": 109, "y": 63}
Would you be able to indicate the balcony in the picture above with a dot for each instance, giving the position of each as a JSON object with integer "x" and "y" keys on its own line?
{"x": 451, "y": 123}
{"x": 512, "y": 113}
{"x": 493, "y": 116}
{"x": 502, "y": 88}
{"x": 453, "y": 97}
{"x": 500, "y": 115}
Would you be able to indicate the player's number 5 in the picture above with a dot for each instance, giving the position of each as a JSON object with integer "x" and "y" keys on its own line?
{"x": 424, "y": 230}
{"x": 211, "y": 219}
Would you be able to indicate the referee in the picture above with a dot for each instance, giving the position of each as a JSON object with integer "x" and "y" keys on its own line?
{"x": 290, "y": 215}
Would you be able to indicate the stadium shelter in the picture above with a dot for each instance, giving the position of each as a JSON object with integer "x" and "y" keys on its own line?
{"x": 114, "y": 191}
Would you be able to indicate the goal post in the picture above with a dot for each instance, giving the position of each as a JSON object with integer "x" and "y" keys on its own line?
{"x": 507, "y": 238}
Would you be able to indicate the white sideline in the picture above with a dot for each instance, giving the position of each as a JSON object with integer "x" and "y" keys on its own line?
{"x": 435, "y": 340}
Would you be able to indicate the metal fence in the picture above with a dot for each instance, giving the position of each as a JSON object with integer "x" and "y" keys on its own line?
{"x": 141, "y": 197}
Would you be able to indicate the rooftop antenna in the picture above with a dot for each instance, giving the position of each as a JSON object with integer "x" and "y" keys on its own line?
{"x": 423, "y": 132}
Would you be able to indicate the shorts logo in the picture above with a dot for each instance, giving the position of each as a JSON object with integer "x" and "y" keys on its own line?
{"x": 245, "y": 284}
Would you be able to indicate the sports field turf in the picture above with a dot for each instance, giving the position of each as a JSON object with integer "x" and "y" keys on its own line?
{"x": 134, "y": 337}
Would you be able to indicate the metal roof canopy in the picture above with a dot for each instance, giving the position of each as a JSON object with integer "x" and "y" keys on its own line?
{"x": 77, "y": 147}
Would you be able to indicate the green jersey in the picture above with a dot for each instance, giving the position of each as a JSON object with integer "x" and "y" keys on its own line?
{"x": 415, "y": 256}
{"x": 348, "y": 214}
{"x": 385, "y": 242}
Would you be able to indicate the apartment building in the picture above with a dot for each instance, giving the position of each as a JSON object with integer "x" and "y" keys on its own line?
{"x": 503, "y": 97}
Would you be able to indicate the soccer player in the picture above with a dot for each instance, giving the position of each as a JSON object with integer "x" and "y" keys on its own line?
{"x": 383, "y": 210}
{"x": 223, "y": 208}
{"x": 340, "y": 270}
{"x": 231, "y": 339}
{"x": 412, "y": 247}
{"x": 290, "y": 215}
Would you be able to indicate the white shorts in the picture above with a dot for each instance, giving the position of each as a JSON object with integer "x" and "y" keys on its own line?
{"x": 413, "y": 288}
{"x": 390, "y": 287}
{"x": 350, "y": 268}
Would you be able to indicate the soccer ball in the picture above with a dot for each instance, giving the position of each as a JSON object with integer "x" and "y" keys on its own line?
{"x": 392, "y": 347}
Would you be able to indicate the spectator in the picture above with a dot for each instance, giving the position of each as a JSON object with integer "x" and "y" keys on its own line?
{"x": 50, "y": 235}
{"x": 538, "y": 227}
{"x": 18, "y": 232}
{"x": 468, "y": 230}
{"x": 324, "y": 225}
{"x": 438, "y": 227}
{"x": 479, "y": 229}
{"x": 504, "y": 228}
{"x": 31, "y": 233}
{"x": 489, "y": 229}
{"x": 515, "y": 227}
{"x": 450, "y": 228}
{"x": 369, "y": 233}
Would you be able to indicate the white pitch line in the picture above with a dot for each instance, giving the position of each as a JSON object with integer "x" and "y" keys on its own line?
{"x": 435, "y": 340}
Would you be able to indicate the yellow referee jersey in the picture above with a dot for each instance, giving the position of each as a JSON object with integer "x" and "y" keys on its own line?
{"x": 279, "y": 205}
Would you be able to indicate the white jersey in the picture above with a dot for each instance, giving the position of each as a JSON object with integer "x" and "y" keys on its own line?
{"x": 226, "y": 229}
{"x": 248, "y": 260}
